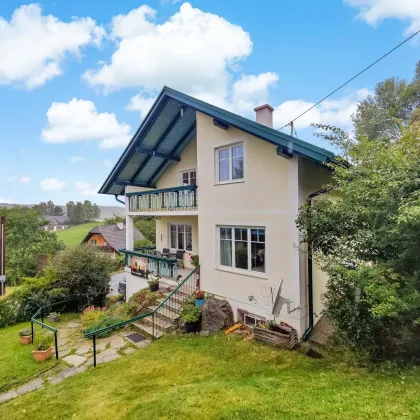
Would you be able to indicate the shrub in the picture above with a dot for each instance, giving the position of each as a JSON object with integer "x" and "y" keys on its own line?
{"x": 43, "y": 341}
{"x": 107, "y": 321}
{"x": 25, "y": 332}
{"x": 124, "y": 311}
{"x": 190, "y": 314}
{"x": 92, "y": 316}
{"x": 142, "y": 243}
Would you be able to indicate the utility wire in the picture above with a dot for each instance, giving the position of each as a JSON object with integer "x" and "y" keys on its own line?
{"x": 354, "y": 77}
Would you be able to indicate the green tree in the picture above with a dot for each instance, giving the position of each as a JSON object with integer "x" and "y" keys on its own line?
{"x": 70, "y": 209}
{"x": 26, "y": 239}
{"x": 96, "y": 212}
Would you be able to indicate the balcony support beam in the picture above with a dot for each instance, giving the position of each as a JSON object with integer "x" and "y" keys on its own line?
{"x": 134, "y": 184}
{"x": 158, "y": 154}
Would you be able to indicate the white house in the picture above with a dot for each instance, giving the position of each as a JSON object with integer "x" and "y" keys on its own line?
{"x": 227, "y": 189}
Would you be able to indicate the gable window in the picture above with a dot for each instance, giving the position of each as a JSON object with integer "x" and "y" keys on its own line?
{"x": 230, "y": 164}
{"x": 93, "y": 241}
{"x": 242, "y": 248}
{"x": 181, "y": 237}
{"x": 189, "y": 177}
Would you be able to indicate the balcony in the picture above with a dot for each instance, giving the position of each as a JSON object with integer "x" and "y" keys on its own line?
{"x": 175, "y": 199}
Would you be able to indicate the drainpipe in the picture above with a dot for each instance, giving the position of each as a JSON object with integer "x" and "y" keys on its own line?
{"x": 120, "y": 201}
{"x": 308, "y": 331}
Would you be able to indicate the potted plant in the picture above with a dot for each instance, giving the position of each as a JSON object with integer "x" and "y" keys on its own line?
{"x": 154, "y": 284}
{"x": 199, "y": 298}
{"x": 191, "y": 317}
{"x": 195, "y": 260}
{"x": 25, "y": 336}
{"x": 43, "y": 346}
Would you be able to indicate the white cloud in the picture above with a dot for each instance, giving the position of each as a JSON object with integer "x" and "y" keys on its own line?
{"x": 52, "y": 184}
{"x": 192, "y": 51}
{"x": 33, "y": 46}
{"x": 140, "y": 102}
{"x": 86, "y": 188}
{"x": 5, "y": 200}
{"x": 22, "y": 179}
{"x": 77, "y": 159}
{"x": 335, "y": 112}
{"x": 79, "y": 120}
{"x": 375, "y": 11}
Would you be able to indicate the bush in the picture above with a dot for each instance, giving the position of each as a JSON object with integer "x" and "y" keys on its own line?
{"x": 107, "y": 321}
{"x": 147, "y": 226}
{"x": 26, "y": 332}
{"x": 190, "y": 314}
{"x": 124, "y": 311}
{"x": 92, "y": 316}
{"x": 43, "y": 341}
{"x": 143, "y": 243}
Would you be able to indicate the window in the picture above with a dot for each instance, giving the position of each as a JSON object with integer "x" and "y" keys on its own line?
{"x": 181, "y": 237}
{"x": 248, "y": 319}
{"x": 93, "y": 241}
{"x": 230, "y": 164}
{"x": 243, "y": 248}
{"x": 189, "y": 177}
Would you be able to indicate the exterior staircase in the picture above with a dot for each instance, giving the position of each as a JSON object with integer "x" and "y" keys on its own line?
{"x": 166, "y": 318}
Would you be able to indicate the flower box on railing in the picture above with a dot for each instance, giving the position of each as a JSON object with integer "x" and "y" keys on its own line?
{"x": 165, "y": 199}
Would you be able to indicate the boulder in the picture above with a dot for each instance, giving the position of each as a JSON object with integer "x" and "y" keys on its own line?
{"x": 216, "y": 315}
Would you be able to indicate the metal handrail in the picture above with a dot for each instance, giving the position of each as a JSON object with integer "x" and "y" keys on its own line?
{"x": 163, "y": 190}
{"x": 94, "y": 334}
{"x": 145, "y": 255}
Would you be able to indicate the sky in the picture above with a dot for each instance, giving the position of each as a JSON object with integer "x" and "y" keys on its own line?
{"x": 77, "y": 77}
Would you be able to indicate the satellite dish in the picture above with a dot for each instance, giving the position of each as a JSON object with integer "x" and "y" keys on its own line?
{"x": 279, "y": 301}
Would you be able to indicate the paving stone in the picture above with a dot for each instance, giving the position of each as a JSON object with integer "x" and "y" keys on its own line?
{"x": 84, "y": 347}
{"x": 108, "y": 359}
{"x": 53, "y": 380}
{"x": 129, "y": 350}
{"x": 8, "y": 396}
{"x": 142, "y": 344}
{"x": 74, "y": 360}
{"x": 73, "y": 324}
{"x": 106, "y": 353}
{"x": 103, "y": 342}
{"x": 118, "y": 342}
{"x": 30, "y": 386}
{"x": 67, "y": 373}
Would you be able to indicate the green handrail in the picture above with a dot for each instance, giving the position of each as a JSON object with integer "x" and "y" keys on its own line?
{"x": 163, "y": 190}
{"x": 150, "y": 256}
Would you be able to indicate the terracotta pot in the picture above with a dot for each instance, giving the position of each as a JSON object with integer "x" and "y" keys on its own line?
{"x": 25, "y": 339}
{"x": 42, "y": 355}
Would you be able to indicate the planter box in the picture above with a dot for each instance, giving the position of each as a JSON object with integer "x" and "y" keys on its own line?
{"x": 42, "y": 355}
{"x": 286, "y": 340}
{"x": 25, "y": 339}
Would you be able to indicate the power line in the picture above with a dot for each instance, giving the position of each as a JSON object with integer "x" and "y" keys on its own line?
{"x": 354, "y": 77}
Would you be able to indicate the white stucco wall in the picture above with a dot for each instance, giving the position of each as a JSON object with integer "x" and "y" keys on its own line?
{"x": 268, "y": 198}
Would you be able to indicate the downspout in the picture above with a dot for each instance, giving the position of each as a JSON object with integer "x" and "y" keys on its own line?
{"x": 120, "y": 201}
{"x": 308, "y": 331}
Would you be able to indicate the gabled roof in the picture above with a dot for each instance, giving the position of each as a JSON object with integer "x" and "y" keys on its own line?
{"x": 169, "y": 127}
{"x": 57, "y": 220}
{"x": 113, "y": 235}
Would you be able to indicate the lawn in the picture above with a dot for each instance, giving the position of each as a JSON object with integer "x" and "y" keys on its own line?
{"x": 74, "y": 235}
{"x": 16, "y": 360}
{"x": 222, "y": 378}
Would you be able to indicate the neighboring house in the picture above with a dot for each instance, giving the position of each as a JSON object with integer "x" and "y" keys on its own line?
{"x": 228, "y": 189}
{"x": 110, "y": 238}
{"x": 57, "y": 223}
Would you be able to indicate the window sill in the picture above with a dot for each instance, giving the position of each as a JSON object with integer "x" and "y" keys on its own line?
{"x": 234, "y": 181}
{"x": 262, "y": 276}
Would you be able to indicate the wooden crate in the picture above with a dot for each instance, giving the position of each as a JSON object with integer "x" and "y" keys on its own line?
{"x": 287, "y": 340}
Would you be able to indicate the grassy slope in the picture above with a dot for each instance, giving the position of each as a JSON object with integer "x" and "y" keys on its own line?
{"x": 74, "y": 235}
{"x": 224, "y": 378}
{"x": 16, "y": 361}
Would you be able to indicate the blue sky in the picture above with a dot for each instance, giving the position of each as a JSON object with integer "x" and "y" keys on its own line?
{"x": 77, "y": 77}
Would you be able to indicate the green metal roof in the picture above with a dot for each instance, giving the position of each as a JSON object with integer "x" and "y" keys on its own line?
{"x": 170, "y": 126}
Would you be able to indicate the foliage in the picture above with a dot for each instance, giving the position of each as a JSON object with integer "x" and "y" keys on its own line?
{"x": 195, "y": 260}
{"x": 365, "y": 237}
{"x": 112, "y": 300}
{"x": 114, "y": 220}
{"x": 147, "y": 226}
{"x": 124, "y": 311}
{"x": 26, "y": 332}
{"x": 153, "y": 280}
{"x": 91, "y": 316}
{"x": 190, "y": 314}
{"x": 26, "y": 240}
{"x": 81, "y": 212}
{"x": 143, "y": 243}
{"x": 84, "y": 271}
{"x": 43, "y": 340}
{"x": 48, "y": 209}
{"x": 387, "y": 111}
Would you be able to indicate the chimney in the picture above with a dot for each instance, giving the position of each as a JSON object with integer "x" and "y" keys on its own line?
{"x": 120, "y": 225}
{"x": 264, "y": 115}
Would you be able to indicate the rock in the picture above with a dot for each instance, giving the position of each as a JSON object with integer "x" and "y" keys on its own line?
{"x": 204, "y": 333}
{"x": 227, "y": 309}
{"x": 8, "y": 396}
{"x": 213, "y": 318}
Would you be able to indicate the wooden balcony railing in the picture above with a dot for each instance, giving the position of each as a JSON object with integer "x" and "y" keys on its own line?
{"x": 166, "y": 199}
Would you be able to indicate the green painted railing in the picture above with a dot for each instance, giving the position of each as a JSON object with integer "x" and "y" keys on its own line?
{"x": 176, "y": 198}
{"x": 193, "y": 277}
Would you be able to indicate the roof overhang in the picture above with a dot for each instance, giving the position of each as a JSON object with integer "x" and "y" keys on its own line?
{"x": 170, "y": 126}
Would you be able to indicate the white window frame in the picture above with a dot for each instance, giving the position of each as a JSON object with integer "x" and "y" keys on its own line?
{"x": 216, "y": 160}
{"x": 187, "y": 171}
{"x": 185, "y": 233}
{"x": 243, "y": 313}
{"x": 234, "y": 269}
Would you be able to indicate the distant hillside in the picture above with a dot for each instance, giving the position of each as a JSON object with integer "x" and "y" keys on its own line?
{"x": 106, "y": 211}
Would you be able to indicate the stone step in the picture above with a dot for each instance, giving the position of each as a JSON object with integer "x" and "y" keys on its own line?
{"x": 147, "y": 330}
{"x": 160, "y": 323}
{"x": 165, "y": 312}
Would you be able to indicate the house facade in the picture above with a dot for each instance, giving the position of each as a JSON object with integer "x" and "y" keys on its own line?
{"x": 227, "y": 189}
{"x": 57, "y": 223}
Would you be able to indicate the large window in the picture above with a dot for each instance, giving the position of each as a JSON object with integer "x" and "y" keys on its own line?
{"x": 230, "y": 164}
{"x": 243, "y": 248}
{"x": 181, "y": 237}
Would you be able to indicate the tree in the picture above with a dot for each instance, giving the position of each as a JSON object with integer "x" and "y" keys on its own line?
{"x": 383, "y": 114}
{"x": 48, "y": 209}
{"x": 70, "y": 209}
{"x": 96, "y": 212}
{"x": 26, "y": 239}
{"x": 58, "y": 211}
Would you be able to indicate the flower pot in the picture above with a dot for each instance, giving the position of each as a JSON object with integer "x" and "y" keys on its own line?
{"x": 199, "y": 302}
{"x": 193, "y": 327}
{"x": 154, "y": 287}
{"x": 25, "y": 339}
{"x": 42, "y": 355}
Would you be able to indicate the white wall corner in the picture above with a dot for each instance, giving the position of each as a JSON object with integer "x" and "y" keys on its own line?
{"x": 129, "y": 233}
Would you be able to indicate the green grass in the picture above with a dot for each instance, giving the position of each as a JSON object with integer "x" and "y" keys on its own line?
{"x": 222, "y": 378}
{"x": 74, "y": 235}
{"x": 16, "y": 360}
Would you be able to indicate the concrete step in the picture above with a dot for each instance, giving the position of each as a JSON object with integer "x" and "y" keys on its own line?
{"x": 160, "y": 323}
{"x": 147, "y": 330}
{"x": 165, "y": 312}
